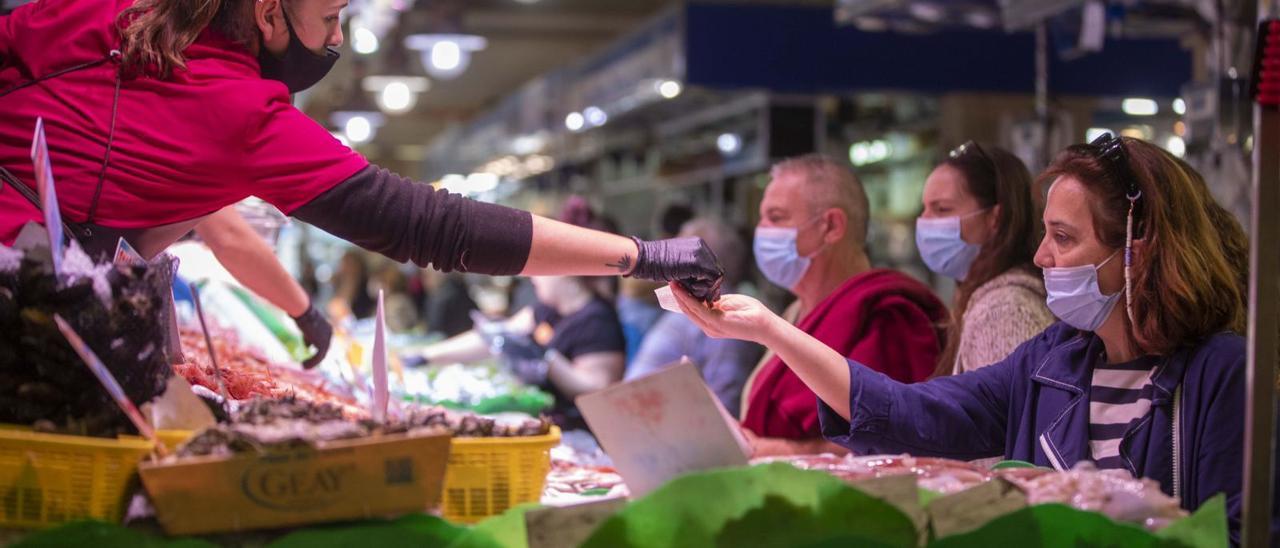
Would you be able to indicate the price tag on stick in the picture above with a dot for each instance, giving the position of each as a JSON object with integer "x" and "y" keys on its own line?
{"x": 105, "y": 377}
{"x": 380, "y": 395}
{"x": 48, "y": 195}
{"x": 208, "y": 341}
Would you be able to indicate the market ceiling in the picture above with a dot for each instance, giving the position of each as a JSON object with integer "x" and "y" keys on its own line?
{"x": 524, "y": 38}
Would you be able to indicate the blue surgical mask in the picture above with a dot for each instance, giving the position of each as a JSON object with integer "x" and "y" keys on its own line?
{"x": 942, "y": 248}
{"x": 777, "y": 256}
{"x": 1074, "y": 296}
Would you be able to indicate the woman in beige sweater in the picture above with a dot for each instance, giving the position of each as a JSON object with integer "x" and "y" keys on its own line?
{"x": 980, "y": 227}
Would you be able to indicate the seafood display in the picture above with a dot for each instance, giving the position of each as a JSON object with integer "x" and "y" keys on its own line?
{"x": 939, "y": 475}
{"x": 261, "y": 424}
{"x": 569, "y": 481}
{"x": 1114, "y": 493}
{"x": 120, "y": 312}
{"x": 247, "y": 374}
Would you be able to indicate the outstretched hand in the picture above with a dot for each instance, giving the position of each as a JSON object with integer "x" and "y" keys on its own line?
{"x": 731, "y": 317}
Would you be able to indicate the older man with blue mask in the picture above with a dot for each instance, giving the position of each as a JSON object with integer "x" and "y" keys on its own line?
{"x": 811, "y": 240}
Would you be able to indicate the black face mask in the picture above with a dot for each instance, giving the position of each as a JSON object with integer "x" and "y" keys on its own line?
{"x": 298, "y": 68}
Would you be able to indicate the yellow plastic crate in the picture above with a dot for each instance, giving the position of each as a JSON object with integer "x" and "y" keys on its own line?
{"x": 486, "y": 476}
{"x": 173, "y": 438}
{"x": 48, "y": 479}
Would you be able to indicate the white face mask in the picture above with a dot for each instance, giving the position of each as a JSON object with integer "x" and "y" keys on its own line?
{"x": 942, "y": 248}
{"x": 777, "y": 256}
{"x": 1075, "y": 298}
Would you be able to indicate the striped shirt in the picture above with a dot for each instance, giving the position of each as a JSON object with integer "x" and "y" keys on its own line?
{"x": 1119, "y": 398}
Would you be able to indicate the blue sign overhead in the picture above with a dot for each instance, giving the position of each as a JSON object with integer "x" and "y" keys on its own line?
{"x": 802, "y": 50}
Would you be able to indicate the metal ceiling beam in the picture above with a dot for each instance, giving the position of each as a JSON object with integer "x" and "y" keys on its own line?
{"x": 1025, "y": 14}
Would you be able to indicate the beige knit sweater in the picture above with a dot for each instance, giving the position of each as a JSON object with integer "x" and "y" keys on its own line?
{"x": 1003, "y": 313}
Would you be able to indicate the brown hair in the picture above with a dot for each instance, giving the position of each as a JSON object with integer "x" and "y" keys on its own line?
{"x": 994, "y": 177}
{"x": 1189, "y": 277}
{"x": 154, "y": 33}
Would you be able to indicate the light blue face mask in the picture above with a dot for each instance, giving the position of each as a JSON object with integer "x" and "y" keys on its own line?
{"x": 1074, "y": 296}
{"x": 942, "y": 248}
{"x": 777, "y": 256}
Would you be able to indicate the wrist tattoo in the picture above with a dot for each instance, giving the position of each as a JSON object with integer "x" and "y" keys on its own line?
{"x": 623, "y": 264}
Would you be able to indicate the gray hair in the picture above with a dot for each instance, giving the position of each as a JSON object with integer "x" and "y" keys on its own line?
{"x": 723, "y": 241}
{"x": 833, "y": 184}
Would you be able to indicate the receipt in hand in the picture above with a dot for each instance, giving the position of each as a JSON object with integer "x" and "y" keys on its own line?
{"x": 667, "y": 299}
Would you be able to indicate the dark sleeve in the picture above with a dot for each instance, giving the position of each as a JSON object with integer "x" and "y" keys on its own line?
{"x": 407, "y": 221}
{"x": 961, "y": 417}
{"x": 1215, "y": 462}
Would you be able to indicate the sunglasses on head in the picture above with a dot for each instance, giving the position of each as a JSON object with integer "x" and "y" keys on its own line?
{"x": 966, "y": 148}
{"x": 1110, "y": 152}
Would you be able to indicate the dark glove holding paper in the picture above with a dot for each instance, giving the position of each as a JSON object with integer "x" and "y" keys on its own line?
{"x": 316, "y": 332}
{"x": 687, "y": 261}
{"x": 525, "y": 358}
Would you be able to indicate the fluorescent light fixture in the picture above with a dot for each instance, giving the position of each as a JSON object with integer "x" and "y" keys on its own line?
{"x": 396, "y": 94}
{"x": 445, "y": 56}
{"x": 1139, "y": 106}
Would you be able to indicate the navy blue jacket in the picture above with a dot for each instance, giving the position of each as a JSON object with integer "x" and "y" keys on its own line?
{"x": 1034, "y": 406}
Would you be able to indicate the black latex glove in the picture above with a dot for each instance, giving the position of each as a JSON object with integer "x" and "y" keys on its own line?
{"x": 316, "y": 332}
{"x": 414, "y": 360}
{"x": 525, "y": 358}
{"x": 520, "y": 347}
{"x": 685, "y": 260}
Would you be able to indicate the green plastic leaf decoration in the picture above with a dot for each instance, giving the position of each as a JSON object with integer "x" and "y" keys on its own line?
{"x": 1207, "y": 527}
{"x": 770, "y": 505}
{"x": 409, "y": 531}
{"x": 100, "y": 534}
{"x": 1056, "y": 525}
{"x": 504, "y": 530}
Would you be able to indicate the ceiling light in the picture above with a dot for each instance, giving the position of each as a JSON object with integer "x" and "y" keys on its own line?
{"x": 1139, "y": 106}
{"x": 358, "y": 129}
{"x": 358, "y": 126}
{"x": 595, "y": 116}
{"x": 574, "y": 121}
{"x": 396, "y": 94}
{"x": 729, "y": 143}
{"x": 669, "y": 89}
{"x": 445, "y": 55}
{"x": 364, "y": 41}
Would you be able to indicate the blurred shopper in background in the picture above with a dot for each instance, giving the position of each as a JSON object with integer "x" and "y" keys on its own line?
{"x": 569, "y": 343}
{"x": 980, "y": 227}
{"x": 444, "y": 301}
{"x": 725, "y": 363}
{"x": 351, "y": 299}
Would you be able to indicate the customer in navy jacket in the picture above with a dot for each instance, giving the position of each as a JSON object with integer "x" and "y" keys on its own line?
{"x": 1147, "y": 275}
